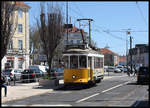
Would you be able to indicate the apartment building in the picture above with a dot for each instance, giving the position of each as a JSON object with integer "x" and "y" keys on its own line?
{"x": 18, "y": 49}
{"x": 110, "y": 58}
{"x": 140, "y": 55}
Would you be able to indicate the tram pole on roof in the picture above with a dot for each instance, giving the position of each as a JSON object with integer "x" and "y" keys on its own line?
{"x": 89, "y": 27}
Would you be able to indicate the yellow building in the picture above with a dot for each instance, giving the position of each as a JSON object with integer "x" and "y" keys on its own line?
{"x": 18, "y": 49}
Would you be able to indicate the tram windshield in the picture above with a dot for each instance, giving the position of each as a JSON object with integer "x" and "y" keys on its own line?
{"x": 82, "y": 62}
{"x": 73, "y": 62}
{"x": 66, "y": 61}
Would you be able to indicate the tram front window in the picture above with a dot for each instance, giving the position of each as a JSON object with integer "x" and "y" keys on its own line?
{"x": 66, "y": 61}
{"x": 73, "y": 62}
{"x": 82, "y": 61}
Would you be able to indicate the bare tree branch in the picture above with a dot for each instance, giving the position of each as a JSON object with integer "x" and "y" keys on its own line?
{"x": 7, "y": 22}
{"x": 50, "y": 30}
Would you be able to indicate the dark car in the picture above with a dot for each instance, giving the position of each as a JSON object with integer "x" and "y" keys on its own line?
{"x": 143, "y": 75}
{"x": 57, "y": 73}
{"x": 29, "y": 75}
{"x": 38, "y": 72}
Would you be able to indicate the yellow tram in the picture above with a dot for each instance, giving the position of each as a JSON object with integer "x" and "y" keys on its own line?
{"x": 83, "y": 65}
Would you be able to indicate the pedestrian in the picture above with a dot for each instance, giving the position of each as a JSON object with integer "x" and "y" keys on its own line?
{"x": 3, "y": 84}
{"x": 128, "y": 71}
{"x": 135, "y": 70}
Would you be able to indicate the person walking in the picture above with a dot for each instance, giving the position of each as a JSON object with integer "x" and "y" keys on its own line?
{"x": 3, "y": 84}
{"x": 135, "y": 70}
{"x": 128, "y": 71}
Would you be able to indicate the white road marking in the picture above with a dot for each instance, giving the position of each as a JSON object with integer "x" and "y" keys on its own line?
{"x": 87, "y": 98}
{"x": 137, "y": 103}
{"x": 51, "y": 105}
{"x": 39, "y": 105}
{"x": 115, "y": 87}
{"x": 108, "y": 77}
{"x": 101, "y": 92}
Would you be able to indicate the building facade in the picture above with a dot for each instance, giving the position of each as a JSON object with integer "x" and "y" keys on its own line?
{"x": 140, "y": 55}
{"x": 17, "y": 56}
{"x": 122, "y": 60}
{"x": 74, "y": 36}
{"x": 110, "y": 58}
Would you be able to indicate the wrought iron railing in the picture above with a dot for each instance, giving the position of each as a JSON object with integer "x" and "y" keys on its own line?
{"x": 16, "y": 51}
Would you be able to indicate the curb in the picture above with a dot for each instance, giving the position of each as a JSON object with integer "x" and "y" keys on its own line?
{"x": 18, "y": 98}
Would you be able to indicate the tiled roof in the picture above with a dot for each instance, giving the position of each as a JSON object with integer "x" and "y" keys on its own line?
{"x": 74, "y": 30}
{"x": 122, "y": 58}
{"x": 106, "y": 51}
{"x": 20, "y": 3}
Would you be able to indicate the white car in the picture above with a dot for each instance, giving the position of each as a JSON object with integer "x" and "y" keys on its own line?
{"x": 120, "y": 67}
{"x": 13, "y": 72}
{"x": 117, "y": 70}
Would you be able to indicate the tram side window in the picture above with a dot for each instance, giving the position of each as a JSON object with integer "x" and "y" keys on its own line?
{"x": 66, "y": 61}
{"x": 89, "y": 62}
{"x": 96, "y": 62}
{"x": 101, "y": 62}
{"x": 82, "y": 61}
{"x": 73, "y": 62}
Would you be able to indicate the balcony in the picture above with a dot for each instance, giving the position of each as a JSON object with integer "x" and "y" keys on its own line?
{"x": 16, "y": 51}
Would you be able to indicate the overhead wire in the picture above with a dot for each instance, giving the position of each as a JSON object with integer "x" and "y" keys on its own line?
{"x": 108, "y": 33}
{"x": 141, "y": 13}
{"x": 102, "y": 29}
{"x": 117, "y": 37}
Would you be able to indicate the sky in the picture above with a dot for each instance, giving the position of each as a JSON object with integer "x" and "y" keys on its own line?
{"x": 110, "y": 21}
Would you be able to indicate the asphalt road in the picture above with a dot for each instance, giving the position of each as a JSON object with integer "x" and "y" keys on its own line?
{"x": 120, "y": 90}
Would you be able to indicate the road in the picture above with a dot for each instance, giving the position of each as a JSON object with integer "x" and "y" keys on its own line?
{"x": 120, "y": 90}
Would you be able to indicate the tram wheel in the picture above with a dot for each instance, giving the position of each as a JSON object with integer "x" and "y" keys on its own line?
{"x": 92, "y": 83}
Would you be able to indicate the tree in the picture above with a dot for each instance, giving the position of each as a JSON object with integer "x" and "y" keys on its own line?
{"x": 8, "y": 24}
{"x": 34, "y": 43}
{"x": 51, "y": 31}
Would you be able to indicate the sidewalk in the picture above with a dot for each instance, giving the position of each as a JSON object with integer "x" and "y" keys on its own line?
{"x": 21, "y": 91}
{"x": 24, "y": 90}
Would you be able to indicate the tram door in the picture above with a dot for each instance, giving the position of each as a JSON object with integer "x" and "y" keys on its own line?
{"x": 90, "y": 66}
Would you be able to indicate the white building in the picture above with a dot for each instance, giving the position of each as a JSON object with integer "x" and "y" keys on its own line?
{"x": 17, "y": 56}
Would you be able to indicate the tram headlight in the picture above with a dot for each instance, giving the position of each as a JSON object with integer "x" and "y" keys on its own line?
{"x": 73, "y": 76}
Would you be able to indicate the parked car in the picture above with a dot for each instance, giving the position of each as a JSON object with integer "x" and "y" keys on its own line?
{"x": 120, "y": 67}
{"x": 110, "y": 69}
{"x": 13, "y": 73}
{"x": 117, "y": 70}
{"x": 39, "y": 67}
{"x": 29, "y": 75}
{"x": 143, "y": 75}
{"x": 38, "y": 72}
{"x": 57, "y": 73}
{"x": 125, "y": 69}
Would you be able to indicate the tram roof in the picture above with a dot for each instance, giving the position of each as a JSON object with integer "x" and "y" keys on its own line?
{"x": 87, "y": 51}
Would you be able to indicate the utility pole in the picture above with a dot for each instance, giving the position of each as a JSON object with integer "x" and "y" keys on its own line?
{"x": 127, "y": 33}
{"x": 89, "y": 27}
{"x": 90, "y": 32}
{"x": 127, "y": 51}
{"x": 67, "y": 19}
{"x": 131, "y": 53}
